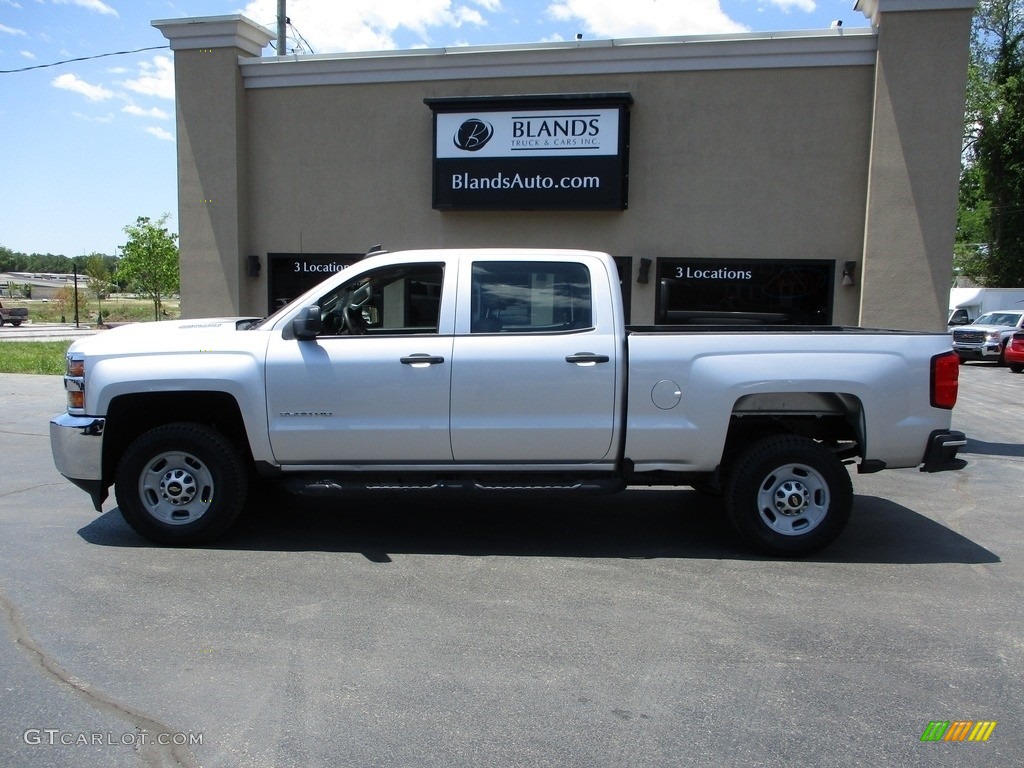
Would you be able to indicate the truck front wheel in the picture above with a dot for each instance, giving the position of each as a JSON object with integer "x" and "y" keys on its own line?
{"x": 788, "y": 495}
{"x": 181, "y": 484}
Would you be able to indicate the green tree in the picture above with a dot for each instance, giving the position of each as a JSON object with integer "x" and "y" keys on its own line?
{"x": 64, "y": 298}
{"x": 991, "y": 215}
{"x": 149, "y": 260}
{"x": 99, "y": 280}
{"x": 8, "y": 260}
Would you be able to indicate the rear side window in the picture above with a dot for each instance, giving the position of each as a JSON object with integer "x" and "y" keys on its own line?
{"x": 530, "y": 297}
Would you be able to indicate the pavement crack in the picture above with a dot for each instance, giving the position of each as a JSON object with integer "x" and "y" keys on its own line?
{"x": 16, "y": 491}
{"x": 151, "y": 749}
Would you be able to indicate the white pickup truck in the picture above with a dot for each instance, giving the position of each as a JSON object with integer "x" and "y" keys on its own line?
{"x": 987, "y": 337}
{"x": 498, "y": 371}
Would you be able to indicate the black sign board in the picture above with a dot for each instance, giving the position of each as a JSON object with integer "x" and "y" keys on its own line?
{"x": 551, "y": 152}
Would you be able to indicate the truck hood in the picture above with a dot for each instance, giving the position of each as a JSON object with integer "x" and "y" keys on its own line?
{"x": 985, "y": 327}
{"x": 166, "y": 335}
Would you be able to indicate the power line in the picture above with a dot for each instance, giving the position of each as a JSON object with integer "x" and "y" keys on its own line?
{"x": 300, "y": 36}
{"x": 82, "y": 58}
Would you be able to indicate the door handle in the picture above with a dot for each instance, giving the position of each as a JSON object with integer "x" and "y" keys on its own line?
{"x": 421, "y": 360}
{"x": 587, "y": 358}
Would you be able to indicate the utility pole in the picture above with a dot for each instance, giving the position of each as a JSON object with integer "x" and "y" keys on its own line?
{"x": 76, "y": 294}
{"x": 282, "y": 24}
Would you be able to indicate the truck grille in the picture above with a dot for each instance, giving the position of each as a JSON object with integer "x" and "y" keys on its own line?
{"x": 971, "y": 337}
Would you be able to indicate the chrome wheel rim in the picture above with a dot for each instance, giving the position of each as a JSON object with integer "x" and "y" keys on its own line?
{"x": 793, "y": 499}
{"x": 176, "y": 487}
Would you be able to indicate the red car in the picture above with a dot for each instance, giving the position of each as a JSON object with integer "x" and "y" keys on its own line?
{"x": 1014, "y": 353}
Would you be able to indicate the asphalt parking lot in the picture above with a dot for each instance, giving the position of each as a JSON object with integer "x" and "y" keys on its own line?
{"x": 632, "y": 630}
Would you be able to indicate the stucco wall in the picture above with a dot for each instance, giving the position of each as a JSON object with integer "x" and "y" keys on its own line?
{"x": 739, "y": 164}
{"x": 817, "y": 146}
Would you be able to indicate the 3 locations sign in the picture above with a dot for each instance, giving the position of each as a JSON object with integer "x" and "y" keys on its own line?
{"x": 531, "y": 152}
{"x": 733, "y": 291}
{"x": 295, "y": 273}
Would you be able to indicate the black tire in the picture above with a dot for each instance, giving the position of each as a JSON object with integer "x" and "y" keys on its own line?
{"x": 1017, "y": 367}
{"x": 788, "y": 495}
{"x": 16, "y": 323}
{"x": 181, "y": 484}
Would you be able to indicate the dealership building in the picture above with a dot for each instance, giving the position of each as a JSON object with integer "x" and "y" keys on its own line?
{"x": 802, "y": 177}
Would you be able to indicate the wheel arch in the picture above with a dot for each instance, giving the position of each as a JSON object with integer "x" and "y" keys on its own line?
{"x": 129, "y": 416}
{"x": 834, "y": 418}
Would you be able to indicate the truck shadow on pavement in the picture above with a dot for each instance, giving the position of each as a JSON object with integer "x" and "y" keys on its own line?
{"x": 637, "y": 524}
{"x": 982, "y": 448}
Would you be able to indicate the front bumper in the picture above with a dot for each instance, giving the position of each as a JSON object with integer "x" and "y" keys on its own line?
{"x": 977, "y": 351}
{"x": 940, "y": 455}
{"x": 77, "y": 446}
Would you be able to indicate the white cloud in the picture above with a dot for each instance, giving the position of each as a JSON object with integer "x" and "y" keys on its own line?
{"x": 154, "y": 112}
{"x": 70, "y": 82}
{"x": 12, "y": 31}
{"x": 28, "y": 55}
{"x": 90, "y": 5}
{"x": 160, "y": 133}
{"x": 156, "y": 79}
{"x": 369, "y": 25}
{"x": 106, "y": 119}
{"x": 808, "y": 6}
{"x": 614, "y": 18}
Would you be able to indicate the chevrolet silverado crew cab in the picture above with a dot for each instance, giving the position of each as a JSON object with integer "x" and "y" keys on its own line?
{"x": 496, "y": 371}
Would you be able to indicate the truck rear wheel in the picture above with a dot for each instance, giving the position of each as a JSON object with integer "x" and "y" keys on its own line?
{"x": 788, "y": 495}
{"x": 181, "y": 484}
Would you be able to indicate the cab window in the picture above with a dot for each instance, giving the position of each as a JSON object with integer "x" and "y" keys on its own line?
{"x": 404, "y": 299}
{"x": 530, "y": 297}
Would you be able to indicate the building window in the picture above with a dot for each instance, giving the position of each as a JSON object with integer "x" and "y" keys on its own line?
{"x": 292, "y": 274}
{"x": 732, "y": 291}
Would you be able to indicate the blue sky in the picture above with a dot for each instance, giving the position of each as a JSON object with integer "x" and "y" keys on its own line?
{"x": 88, "y": 146}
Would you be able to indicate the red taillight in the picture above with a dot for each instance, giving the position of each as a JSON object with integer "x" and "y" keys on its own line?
{"x": 945, "y": 382}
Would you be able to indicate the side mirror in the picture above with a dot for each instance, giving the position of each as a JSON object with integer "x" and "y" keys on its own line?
{"x": 307, "y": 324}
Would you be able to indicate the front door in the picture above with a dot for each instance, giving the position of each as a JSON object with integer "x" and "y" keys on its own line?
{"x": 373, "y": 387}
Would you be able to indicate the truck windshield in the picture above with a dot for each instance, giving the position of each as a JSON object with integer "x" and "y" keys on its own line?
{"x": 999, "y": 318}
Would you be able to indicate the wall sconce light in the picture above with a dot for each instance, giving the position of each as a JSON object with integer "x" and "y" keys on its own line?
{"x": 254, "y": 266}
{"x": 645, "y": 271}
{"x": 848, "y": 271}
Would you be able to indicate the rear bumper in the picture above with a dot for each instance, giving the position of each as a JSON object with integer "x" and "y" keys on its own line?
{"x": 940, "y": 456}
{"x": 77, "y": 446}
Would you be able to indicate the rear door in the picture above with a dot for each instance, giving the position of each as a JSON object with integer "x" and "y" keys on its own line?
{"x": 533, "y": 373}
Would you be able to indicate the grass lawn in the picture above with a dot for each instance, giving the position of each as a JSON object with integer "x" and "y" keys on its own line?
{"x": 33, "y": 356}
{"x": 47, "y": 357}
{"x": 117, "y": 308}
